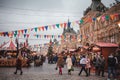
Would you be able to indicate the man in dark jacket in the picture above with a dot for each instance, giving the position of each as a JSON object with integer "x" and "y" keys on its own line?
{"x": 102, "y": 66}
{"x": 19, "y": 65}
{"x": 111, "y": 66}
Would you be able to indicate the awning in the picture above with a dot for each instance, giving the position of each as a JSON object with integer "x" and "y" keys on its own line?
{"x": 103, "y": 44}
{"x": 95, "y": 48}
{"x": 71, "y": 50}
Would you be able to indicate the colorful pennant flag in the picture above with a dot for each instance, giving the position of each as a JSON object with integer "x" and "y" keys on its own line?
{"x": 46, "y": 27}
{"x": 57, "y": 25}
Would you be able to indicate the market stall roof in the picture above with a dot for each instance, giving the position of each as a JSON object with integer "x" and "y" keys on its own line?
{"x": 104, "y": 44}
{"x": 85, "y": 47}
{"x": 72, "y": 50}
{"x": 9, "y": 46}
{"x": 3, "y": 44}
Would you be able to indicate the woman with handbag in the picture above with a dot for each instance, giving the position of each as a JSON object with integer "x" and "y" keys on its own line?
{"x": 60, "y": 64}
{"x": 69, "y": 64}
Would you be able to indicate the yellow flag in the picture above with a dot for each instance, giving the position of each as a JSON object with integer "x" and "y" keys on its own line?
{"x": 49, "y": 26}
{"x": 73, "y": 23}
{"x": 29, "y": 30}
{"x": 98, "y": 18}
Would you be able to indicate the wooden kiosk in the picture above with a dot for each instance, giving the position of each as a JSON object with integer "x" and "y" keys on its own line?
{"x": 106, "y": 49}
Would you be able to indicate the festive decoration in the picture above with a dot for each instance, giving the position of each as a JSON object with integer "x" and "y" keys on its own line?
{"x": 25, "y": 32}
{"x": 81, "y": 21}
{"x": 46, "y": 27}
{"x": 57, "y": 25}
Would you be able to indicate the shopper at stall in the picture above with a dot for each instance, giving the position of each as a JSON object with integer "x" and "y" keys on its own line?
{"x": 111, "y": 66}
{"x": 96, "y": 62}
{"x": 102, "y": 66}
{"x": 88, "y": 65}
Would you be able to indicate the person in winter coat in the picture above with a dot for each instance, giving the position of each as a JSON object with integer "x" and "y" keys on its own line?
{"x": 83, "y": 62}
{"x": 88, "y": 65}
{"x": 19, "y": 64}
{"x": 97, "y": 64}
{"x": 69, "y": 64}
{"x": 60, "y": 63}
{"x": 102, "y": 66}
{"x": 111, "y": 66}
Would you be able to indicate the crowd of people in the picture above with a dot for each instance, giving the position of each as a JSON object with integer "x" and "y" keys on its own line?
{"x": 91, "y": 61}
{"x": 87, "y": 61}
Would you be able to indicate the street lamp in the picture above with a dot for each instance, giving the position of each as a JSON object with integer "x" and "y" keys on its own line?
{"x": 119, "y": 24}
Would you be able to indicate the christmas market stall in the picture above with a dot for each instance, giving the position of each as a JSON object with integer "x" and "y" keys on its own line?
{"x": 105, "y": 49}
{"x": 8, "y": 54}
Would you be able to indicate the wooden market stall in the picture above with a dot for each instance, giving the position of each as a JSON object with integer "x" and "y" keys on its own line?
{"x": 106, "y": 49}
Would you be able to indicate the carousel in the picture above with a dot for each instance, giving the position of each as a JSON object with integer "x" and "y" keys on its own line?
{"x": 8, "y": 53}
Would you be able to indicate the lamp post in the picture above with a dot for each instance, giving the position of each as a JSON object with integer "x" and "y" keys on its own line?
{"x": 119, "y": 30}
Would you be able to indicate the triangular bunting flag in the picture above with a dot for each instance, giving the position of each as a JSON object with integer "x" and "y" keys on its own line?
{"x": 61, "y": 25}
{"x": 73, "y": 23}
{"x": 65, "y": 25}
{"x": 69, "y": 23}
{"x": 98, "y": 18}
{"x": 44, "y": 36}
{"x": 35, "y": 29}
{"x": 53, "y": 26}
{"x": 24, "y": 35}
{"x": 43, "y": 28}
{"x": 19, "y": 31}
{"x": 15, "y": 32}
{"x": 46, "y": 27}
{"x": 39, "y": 28}
{"x": 22, "y": 31}
{"x": 107, "y": 17}
{"x": 112, "y": 16}
{"x": 37, "y": 36}
{"x": 50, "y": 27}
{"x": 25, "y": 30}
{"x": 15, "y": 35}
{"x": 94, "y": 19}
{"x": 103, "y": 18}
{"x": 28, "y": 35}
{"x": 57, "y": 25}
{"x": 29, "y": 30}
{"x": 52, "y": 36}
{"x": 81, "y": 21}
{"x": 77, "y": 22}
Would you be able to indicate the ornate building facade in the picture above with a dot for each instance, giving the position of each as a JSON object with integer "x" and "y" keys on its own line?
{"x": 69, "y": 38}
{"x": 100, "y": 24}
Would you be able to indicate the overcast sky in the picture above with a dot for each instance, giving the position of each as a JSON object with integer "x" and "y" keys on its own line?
{"x": 24, "y": 14}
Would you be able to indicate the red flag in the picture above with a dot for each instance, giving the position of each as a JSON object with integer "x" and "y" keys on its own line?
{"x": 65, "y": 25}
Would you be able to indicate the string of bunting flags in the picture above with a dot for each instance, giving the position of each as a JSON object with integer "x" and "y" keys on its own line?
{"x": 48, "y": 36}
{"x": 101, "y": 18}
{"x": 25, "y": 32}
